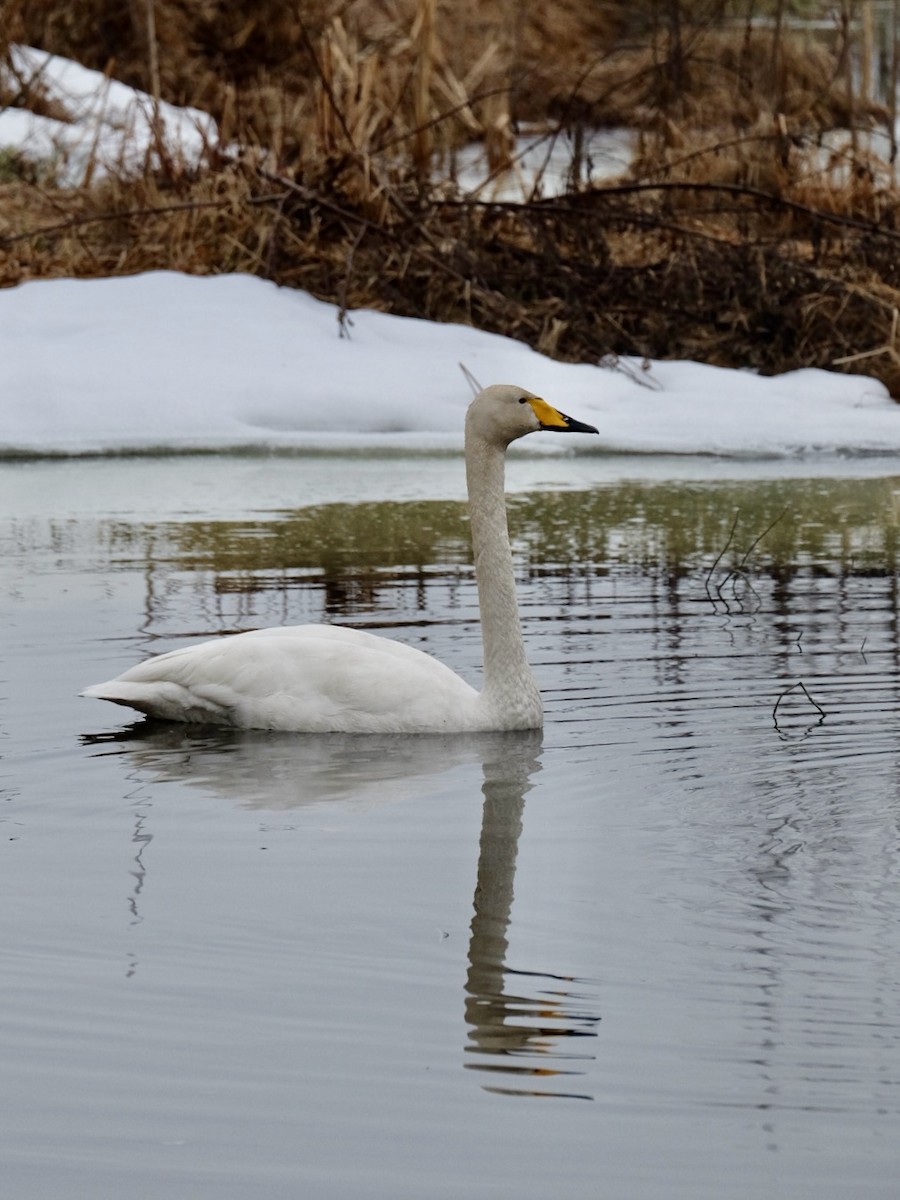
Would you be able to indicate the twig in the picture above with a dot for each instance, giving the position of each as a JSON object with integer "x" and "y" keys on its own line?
{"x": 344, "y": 322}
{"x": 890, "y": 347}
{"x": 470, "y": 379}
{"x": 270, "y": 248}
{"x": 733, "y": 577}
{"x": 745, "y": 191}
{"x": 757, "y": 540}
{"x": 801, "y": 686}
{"x": 642, "y": 376}
{"x": 720, "y": 556}
{"x": 128, "y": 214}
{"x": 752, "y": 193}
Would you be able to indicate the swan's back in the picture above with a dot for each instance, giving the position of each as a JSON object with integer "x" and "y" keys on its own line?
{"x": 301, "y": 678}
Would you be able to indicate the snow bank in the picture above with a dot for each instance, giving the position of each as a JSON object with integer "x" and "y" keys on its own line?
{"x": 110, "y": 125}
{"x": 168, "y": 361}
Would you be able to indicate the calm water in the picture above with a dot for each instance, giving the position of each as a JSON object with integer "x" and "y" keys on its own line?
{"x": 653, "y": 952}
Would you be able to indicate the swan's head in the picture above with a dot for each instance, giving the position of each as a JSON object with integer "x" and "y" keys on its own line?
{"x": 502, "y": 412}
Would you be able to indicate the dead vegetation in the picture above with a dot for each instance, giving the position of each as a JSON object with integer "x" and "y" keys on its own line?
{"x": 749, "y": 231}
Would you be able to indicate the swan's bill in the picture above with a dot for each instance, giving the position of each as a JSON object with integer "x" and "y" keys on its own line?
{"x": 551, "y": 418}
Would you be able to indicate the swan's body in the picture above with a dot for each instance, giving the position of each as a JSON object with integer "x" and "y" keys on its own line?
{"x": 330, "y": 679}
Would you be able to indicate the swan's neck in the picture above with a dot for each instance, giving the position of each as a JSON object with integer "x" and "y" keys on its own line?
{"x": 509, "y": 686}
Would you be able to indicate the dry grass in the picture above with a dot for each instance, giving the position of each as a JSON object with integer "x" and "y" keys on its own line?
{"x": 735, "y": 240}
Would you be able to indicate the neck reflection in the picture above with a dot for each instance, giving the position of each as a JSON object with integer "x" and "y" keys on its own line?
{"x": 516, "y": 1032}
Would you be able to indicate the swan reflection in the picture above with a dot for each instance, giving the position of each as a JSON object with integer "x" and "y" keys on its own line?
{"x": 278, "y": 772}
{"x": 523, "y": 1025}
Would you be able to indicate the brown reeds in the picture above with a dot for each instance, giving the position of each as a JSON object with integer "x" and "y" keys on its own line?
{"x": 747, "y": 232}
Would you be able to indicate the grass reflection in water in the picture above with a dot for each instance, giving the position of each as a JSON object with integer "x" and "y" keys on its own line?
{"x": 348, "y": 560}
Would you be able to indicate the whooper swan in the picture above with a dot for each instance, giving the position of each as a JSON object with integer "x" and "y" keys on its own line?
{"x": 329, "y": 679}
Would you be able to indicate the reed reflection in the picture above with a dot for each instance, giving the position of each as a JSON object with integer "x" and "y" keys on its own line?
{"x": 516, "y": 1031}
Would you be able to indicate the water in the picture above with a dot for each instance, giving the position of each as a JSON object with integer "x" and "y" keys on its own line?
{"x": 652, "y": 951}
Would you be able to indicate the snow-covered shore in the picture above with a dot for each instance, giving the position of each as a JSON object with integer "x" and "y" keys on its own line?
{"x": 169, "y": 361}
{"x": 165, "y": 361}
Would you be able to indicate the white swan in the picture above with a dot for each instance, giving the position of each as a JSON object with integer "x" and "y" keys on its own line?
{"x": 330, "y": 679}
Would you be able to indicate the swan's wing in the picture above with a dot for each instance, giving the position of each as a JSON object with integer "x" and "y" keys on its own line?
{"x": 312, "y": 678}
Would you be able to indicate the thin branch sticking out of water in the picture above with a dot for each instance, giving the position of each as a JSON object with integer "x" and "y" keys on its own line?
{"x": 738, "y": 572}
{"x": 719, "y": 557}
{"x": 768, "y": 529}
{"x": 801, "y": 687}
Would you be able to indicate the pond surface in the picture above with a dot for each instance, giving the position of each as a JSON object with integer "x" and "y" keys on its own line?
{"x": 651, "y": 952}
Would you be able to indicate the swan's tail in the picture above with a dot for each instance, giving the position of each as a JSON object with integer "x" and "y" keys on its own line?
{"x": 163, "y": 700}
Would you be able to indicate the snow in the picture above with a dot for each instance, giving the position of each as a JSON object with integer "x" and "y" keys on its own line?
{"x": 542, "y": 164}
{"x": 110, "y": 126}
{"x": 165, "y": 361}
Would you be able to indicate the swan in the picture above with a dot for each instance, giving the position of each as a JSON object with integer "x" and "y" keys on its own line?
{"x": 331, "y": 679}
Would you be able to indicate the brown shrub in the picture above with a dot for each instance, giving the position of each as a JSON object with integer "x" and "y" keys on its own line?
{"x": 731, "y": 243}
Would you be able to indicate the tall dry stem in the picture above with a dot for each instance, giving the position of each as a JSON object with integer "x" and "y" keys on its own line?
{"x": 847, "y": 7}
{"x": 153, "y": 53}
{"x": 424, "y": 40}
{"x": 894, "y": 84}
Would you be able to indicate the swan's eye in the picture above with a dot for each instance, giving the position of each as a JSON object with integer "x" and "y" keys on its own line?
{"x": 523, "y": 399}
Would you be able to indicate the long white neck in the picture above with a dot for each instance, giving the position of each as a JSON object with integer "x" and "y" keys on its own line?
{"x": 509, "y": 686}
